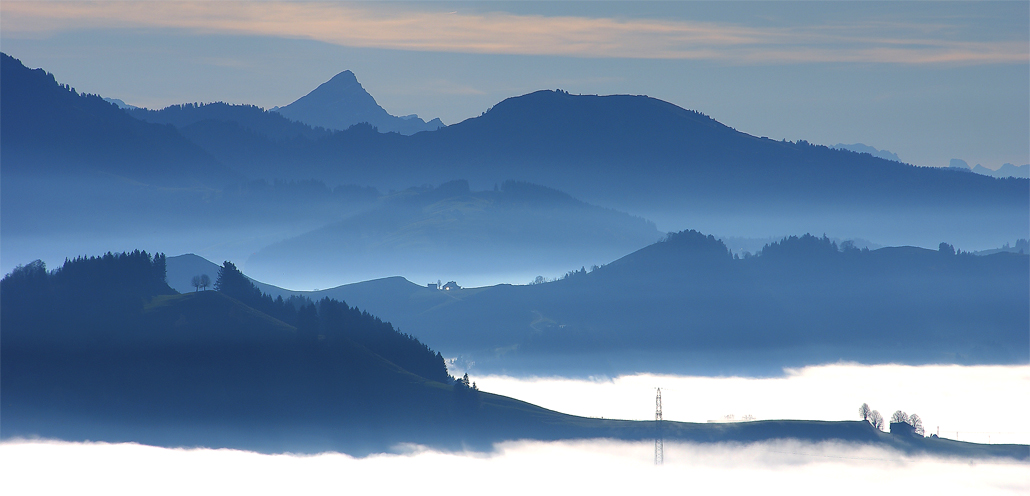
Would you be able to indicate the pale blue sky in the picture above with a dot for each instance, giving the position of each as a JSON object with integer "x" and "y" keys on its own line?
{"x": 928, "y": 81}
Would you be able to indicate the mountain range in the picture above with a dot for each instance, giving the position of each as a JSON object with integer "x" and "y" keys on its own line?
{"x": 636, "y": 154}
{"x": 453, "y": 232}
{"x": 52, "y": 131}
{"x": 1006, "y": 170}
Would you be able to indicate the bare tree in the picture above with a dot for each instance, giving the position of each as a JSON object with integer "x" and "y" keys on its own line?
{"x": 864, "y": 411}
{"x": 916, "y": 423}
{"x": 195, "y": 282}
{"x": 205, "y": 281}
{"x": 899, "y": 416}
{"x": 876, "y": 419}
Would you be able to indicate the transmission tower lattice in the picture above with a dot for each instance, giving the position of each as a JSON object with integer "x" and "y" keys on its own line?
{"x": 659, "y": 443}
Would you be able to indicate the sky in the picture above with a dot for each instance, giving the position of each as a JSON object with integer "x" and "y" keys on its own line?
{"x": 928, "y": 81}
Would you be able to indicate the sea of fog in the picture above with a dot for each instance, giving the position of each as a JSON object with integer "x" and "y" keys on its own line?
{"x": 980, "y": 403}
{"x": 581, "y": 467}
{"x": 983, "y": 404}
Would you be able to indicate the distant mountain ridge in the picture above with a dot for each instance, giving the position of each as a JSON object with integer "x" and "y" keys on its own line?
{"x": 864, "y": 148}
{"x": 686, "y": 305}
{"x": 189, "y": 116}
{"x": 452, "y": 231}
{"x": 49, "y": 128}
{"x": 342, "y": 102}
{"x": 1006, "y": 170}
{"x": 632, "y": 151}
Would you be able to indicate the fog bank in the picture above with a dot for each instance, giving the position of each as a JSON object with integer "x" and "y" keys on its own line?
{"x": 983, "y": 404}
{"x": 584, "y": 467}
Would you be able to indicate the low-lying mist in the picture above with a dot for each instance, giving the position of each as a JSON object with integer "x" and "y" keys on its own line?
{"x": 982, "y": 404}
{"x": 579, "y": 467}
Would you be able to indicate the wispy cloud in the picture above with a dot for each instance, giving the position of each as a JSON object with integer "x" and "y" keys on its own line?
{"x": 420, "y": 28}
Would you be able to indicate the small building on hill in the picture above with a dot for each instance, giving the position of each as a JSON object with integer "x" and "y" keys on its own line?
{"x": 451, "y": 286}
{"x": 903, "y": 429}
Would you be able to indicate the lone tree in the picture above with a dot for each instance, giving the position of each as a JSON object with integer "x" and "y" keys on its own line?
{"x": 205, "y": 281}
{"x": 898, "y": 417}
{"x": 876, "y": 419}
{"x": 195, "y": 282}
{"x": 916, "y": 423}
{"x": 864, "y": 411}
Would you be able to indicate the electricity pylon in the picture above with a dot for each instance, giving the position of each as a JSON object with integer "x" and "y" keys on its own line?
{"x": 659, "y": 443}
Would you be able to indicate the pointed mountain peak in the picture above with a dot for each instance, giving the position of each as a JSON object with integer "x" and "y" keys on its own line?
{"x": 342, "y": 102}
{"x": 343, "y": 80}
{"x": 345, "y": 76}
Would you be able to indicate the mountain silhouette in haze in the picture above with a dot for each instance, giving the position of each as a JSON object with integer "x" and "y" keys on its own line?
{"x": 189, "y": 118}
{"x": 686, "y": 305}
{"x": 50, "y": 129}
{"x": 634, "y": 153}
{"x": 451, "y": 231}
{"x": 1006, "y": 170}
{"x": 342, "y": 102}
{"x": 864, "y": 148}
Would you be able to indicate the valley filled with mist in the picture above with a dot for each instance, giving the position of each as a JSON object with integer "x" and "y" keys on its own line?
{"x": 325, "y": 285}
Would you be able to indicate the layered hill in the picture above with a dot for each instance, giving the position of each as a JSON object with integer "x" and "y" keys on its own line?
{"x": 452, "y": 232}
{"x": 675, "y": 166}
{"x": 622, "y": 143}
{"x": 686, "y": 305}
{"x": 50, "y": 129}
{"x": 342, "y": 102}
{"x": 638, "y": 154}
{"x": 189, "y": 118}
{"x": 103, "y": 350}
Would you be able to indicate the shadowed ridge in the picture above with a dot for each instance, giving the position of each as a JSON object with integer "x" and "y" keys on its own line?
{"x": 191, "y": 119}
{"x": 554, "y": 124}
{"x": 49, "y": 128}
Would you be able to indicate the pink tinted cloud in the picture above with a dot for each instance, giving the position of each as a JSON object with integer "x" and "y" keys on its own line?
{"x": 391, "y": 27}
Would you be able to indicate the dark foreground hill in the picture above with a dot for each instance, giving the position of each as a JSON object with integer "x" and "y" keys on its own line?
{"x": 134, "y": 362}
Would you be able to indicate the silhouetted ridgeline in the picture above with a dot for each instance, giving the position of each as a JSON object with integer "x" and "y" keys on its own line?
{"x": 328, "y": 320}
{"x": 87, "y": 302}
{"x": 634, "y": 153}
{"x": 631, "y": 150}
{"x": 452, "y": 230}
{"x": 342, "y": 102}
{"x": 271, "y": 125}
{"x": 50, "y": 129}
{"x": 687, "y": 305}
{"x": 101, "y": 348}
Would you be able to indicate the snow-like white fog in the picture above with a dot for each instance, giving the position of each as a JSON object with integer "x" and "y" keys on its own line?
{"x": 975, "y": 401}
{"x": 583, "y": 467}
{"x": 984, "y": 404}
